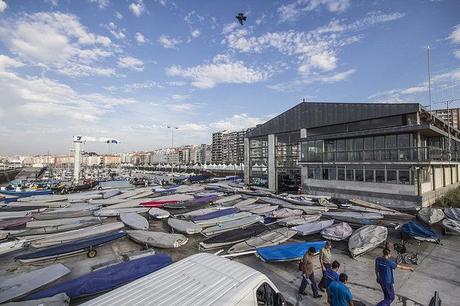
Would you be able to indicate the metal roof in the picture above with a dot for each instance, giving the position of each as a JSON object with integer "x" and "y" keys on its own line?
{"x": 315, "y": 114}
{"x": 201, "y": 279}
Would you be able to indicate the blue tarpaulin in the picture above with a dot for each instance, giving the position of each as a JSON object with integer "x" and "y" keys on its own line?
{"x": 216, "y": 214}
{"x": 419, "y": 232}
{"x": 73, "y": 246}
{"x": 106, "y": 279}
{"x": 288, "y": 251}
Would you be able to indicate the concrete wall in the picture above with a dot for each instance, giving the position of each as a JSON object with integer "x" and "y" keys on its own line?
{"x": 438, "y": 177}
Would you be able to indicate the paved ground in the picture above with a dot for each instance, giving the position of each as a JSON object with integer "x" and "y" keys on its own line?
{"x": 438, "y": 269}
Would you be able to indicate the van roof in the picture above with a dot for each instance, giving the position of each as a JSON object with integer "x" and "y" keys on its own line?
{"x": 201, "y": 279}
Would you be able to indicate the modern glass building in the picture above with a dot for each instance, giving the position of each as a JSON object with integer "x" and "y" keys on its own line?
{"x": 379, "y": 152}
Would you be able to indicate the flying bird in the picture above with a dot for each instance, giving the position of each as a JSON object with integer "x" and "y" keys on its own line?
{"x": 241, "y": 18}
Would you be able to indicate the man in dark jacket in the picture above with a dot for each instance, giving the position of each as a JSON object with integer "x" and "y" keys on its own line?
{"x": 308, "y": 275}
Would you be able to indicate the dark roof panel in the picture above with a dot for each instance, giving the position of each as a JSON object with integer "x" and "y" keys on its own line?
{"x": 315, "y": 114}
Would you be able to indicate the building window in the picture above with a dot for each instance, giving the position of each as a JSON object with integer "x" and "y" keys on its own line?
{"x": 404, "y": 177}
{"x": 392, "y": 177}
{"x": 310, "y": 173}
{"x": 379, "y": 145}
{"x": 359, "y": 175}
{"x": 329, "y": 149}
{"x": 341, "y": 154}
{"x": 350, "y": 176}
{"x": 369, "y": 148}
{"x": 380, "y": 176}
{"x": 341, "y": 174}
{"x": 391, "y": 144}
{"x": 369, "y": 175}
{"x": 404, "y": 145}
{"x": 329, "y": 174}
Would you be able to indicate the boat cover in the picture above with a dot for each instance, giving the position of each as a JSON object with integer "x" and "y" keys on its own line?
{"x": 5, "y": 224}
{"x": 18, "y": 286}
{"x": 183, "y": 226}
{"x": 248, "y": 201}
{"x": 312, "y": 227}
{"x": 60, "y": 299}
{"x": 234, "y": 236}
{"x": 158, "y": 239}
{"x": 107, "y": 278}
{"x": 288, "y": 251}
{"x": 73, "y": 246}
{"x": 231, "y": 225}
{"x": 158, "y": 213}
{"x": 205, "y": 199}
{"x": 366, "y": 238}
{"x": 223, "y": 219}
{"x": 298, "y": 220}
{"x": 452, "y": 213}
{"x": 135, "y": 221}
{"x": 430, "y": 215}
{"x": 337, "y": 232}
{"x": 285, "y": 212}
{"x": 452, "y": 225}
{"x": 352, "y": 214}
{"x": 419, "y": 232}
{"x": 268, "y": 238}
{"x": 216, "y": 214}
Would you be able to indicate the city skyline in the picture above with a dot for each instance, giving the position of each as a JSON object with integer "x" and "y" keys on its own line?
{"x": 128, "y": 69}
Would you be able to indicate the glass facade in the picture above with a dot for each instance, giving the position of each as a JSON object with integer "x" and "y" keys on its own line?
{"x": 258, "y": 162}
{"x": 286, "y": 161}
{"x": 393, "y": 147}
{"x": 366, "y": 173}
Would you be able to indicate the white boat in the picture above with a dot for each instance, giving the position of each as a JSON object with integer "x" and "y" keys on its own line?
{"x": 231, "y": 225}
{"x": 54, "y": 239}
{"x": 248, "y": 201}
{"x": 343, "y": 215}
{"x": 298, "y": 220}
{"x": 268, "y": 238}
{"x": 264, "y": 210}
{"x": 228, "y": 200}
{"x": 69, "y": 212}
{"x": 158, "y": 213}
{"x": 285, "y": 213}
{"x": 367, "y": 204}
{"x": 312, "y": 227}
{"x": 60, "y": 299}
{"x": 11, "y": 246}
{"x": 430, "y": 215}
{"x": 199, "y": 212}
{"x": 20, "y": 285}
{"x": 44, "y": 198}
{"x": 51, "y": 229}
{"x": 19, "y": 214}
{"x": 252, "y": 207}
{"x": 134, "y": 221}
{"x": 183, "y": 226}
{"x": 451, "y": 225}
{"x": 222, "y": 219}
{"x": 452, "y": 213}
{"x": 337, "y": 232}
{"x": 395, "y": 214}
{"x": 158, "y": 239}
{"x": 366, "y": 238}
{"x": 109, "y": 212}
{"x": 63, "y": 221}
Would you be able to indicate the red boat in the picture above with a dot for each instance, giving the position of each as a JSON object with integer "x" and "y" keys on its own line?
{"x": 158, "y": 203}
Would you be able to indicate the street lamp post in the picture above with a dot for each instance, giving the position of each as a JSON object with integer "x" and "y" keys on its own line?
{"x": 172, "y": 141}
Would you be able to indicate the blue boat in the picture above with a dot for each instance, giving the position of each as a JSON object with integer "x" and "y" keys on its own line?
{"x": 71, "y": 248}
{"x": 216, "y": 214}
{"x": 288, "y": 251}
{"x": 419, "y": 232}
{"x": 26, "y": 193}
{"x": 105, "y": 279}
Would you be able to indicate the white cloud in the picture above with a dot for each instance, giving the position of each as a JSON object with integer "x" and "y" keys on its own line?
{"x": 101, "y": 3}
{"x": 314, "y": 78}
{"x": 179, "y": 97}
{"x": 57, "y": 41}
{"x": 3, "y": 6}
{"x": 193, "y": 17}
{"x": 115, "y": 31}
{"x": 140, "y": 38}
{"x": 222, "y": 70}
{"x": 237, "y": 122}
{"x": 118, "y": 15}
{"x": 132, "y": 87}
{"x": 457, "y": 53}
{"x": 455, "y": 35}
{"x": 195, "y": 33}
{"x": 182, "y": 107}
{"x": 314, "y": 51}
{"x": 168, "y": 42}
{"x": 294, "y": 10}
{"x": 131, "y": 63}
{"x": 137, "y": 8}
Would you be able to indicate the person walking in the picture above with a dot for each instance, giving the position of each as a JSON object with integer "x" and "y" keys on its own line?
{"x": 331, "y": 275}
{"x": 325, "y": 260}
{"x": 308, "y": 275}
{"x": 384, "y": 267}
{"x": 340, "y": 293}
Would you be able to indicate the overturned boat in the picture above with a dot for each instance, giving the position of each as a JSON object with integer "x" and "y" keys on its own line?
{"x": 183, "y": 226}
{"x": 366, "y": 238}
{"x": 312, "y": 227}
{"x": 430, "y": 215}
{"x": 158, "y": 239}
{"x": 420, "y": 232}
{"x": 268, "y": 238}
{"x": 233, "y": 236}
{"x": 337, "y": 232}
{"x": 134, "y": 221}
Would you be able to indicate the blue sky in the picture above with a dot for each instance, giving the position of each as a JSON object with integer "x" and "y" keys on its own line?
{"x": 127, "y": 69}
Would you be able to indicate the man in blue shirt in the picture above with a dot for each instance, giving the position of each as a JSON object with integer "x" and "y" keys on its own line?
{"x": 331, "y": 274}
{"x": 340, "y": 294}
{"x": 384, "y": 267}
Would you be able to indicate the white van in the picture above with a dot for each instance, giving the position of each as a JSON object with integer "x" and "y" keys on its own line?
{"x": 201, "y": 279}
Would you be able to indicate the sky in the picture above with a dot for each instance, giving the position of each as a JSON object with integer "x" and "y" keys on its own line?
{"x": 127, "y": 69}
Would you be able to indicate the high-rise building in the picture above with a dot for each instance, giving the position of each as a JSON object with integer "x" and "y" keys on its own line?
{"x": 451, "y": 116}
{"x": 228, "y": 147}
